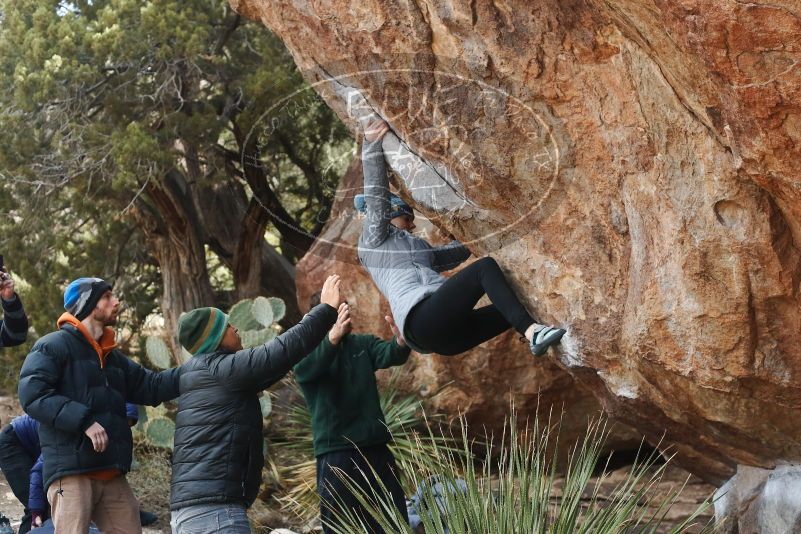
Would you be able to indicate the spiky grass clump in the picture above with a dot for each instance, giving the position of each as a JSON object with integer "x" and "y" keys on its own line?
{"x": 520, "y": 490}
{"x": 293, "y": 465}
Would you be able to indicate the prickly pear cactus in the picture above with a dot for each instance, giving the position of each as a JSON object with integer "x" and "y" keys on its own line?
{"x": 279, "y": 308}
{"x": 160, "y": 432}
{"x": 158, "y": 352}
{"x": 241, "y": 316}
{"x": 262, "y": 311}
{"x": 256, "y": 319}
{"x": 254, "y": 338}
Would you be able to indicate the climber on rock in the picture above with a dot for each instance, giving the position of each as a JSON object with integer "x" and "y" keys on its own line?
{"x": 434, "y": 313}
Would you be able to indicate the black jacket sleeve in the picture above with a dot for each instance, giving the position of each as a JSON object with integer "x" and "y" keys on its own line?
{"x": 144, "y": 386}
{"x": 258, "y": 368}
{"x": 14, "y": 326}
{"x": 38, "y": 381}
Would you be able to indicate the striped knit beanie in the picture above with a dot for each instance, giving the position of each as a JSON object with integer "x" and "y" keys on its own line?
{"x": 200, "y": 331}
{"x": 82, "y": 295}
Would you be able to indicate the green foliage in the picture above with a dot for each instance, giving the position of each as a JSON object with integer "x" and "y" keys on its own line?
{"x": 279, "y": 308}
{"x": 158, "y": 352}
{"x": 262, "y": 311}
{"x": 254, "y": 338}
{"x": 156, "y": 426}
{"x": 520, "y": 490}
{"x": 108, "y": 106}
{"x": 293, "y": 461}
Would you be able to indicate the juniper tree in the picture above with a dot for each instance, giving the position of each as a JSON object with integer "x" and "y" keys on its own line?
{"x": 127, "y": 130}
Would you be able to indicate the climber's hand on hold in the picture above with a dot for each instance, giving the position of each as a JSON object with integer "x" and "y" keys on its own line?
{"x": 375, "y": 130}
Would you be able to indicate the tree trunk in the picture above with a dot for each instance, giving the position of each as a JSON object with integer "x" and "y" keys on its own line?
{"x": 235, "y": 230}
{"x": 295, "y": 242}
{"x": 171, "y": 226}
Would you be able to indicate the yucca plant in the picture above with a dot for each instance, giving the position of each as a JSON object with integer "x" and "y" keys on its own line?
{"x": 293, "y": 465}
{"x": 521, "y": 492}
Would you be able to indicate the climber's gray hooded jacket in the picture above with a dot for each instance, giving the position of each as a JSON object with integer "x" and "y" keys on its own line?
{"x": 404, "y": 267}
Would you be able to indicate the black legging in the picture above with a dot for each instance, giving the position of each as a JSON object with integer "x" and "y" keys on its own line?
{"x": 446, "y": 323}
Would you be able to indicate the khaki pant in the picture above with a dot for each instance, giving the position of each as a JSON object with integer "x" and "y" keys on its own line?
{"x": 77, "y": 500}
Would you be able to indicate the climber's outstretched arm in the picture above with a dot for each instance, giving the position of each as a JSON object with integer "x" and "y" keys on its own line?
{"x": 449, "y": 256}
{"x": 375, "y": 228}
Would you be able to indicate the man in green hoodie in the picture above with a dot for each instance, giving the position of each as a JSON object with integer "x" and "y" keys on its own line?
{"x": 350, "y": 434}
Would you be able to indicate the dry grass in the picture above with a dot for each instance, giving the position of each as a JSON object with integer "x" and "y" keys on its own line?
{"x": 150, "y": 480}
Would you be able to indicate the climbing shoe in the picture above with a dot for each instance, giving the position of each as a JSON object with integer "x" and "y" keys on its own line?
{"x": 544, "y": 338}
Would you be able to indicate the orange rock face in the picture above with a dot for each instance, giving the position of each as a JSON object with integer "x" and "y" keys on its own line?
{"x": 633, "y": 165}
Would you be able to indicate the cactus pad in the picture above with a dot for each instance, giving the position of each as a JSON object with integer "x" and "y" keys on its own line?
{"x": 158, "y": 352}
{"x": 262, "y": 310}
{"x": 241, "y": 316}
{"x": 160, "y": 432}
{"x": 279, "y": 308}
{"x": 254, "y": 338}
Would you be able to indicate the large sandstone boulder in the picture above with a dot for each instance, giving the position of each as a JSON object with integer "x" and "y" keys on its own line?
{"x": 634, "y": 166}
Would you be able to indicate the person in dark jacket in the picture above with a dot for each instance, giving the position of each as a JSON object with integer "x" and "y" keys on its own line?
{"x": 350, "y": 434}
{"x": 75, "y": 383}
{"x": 37, "y": 500}
{"x": 218, "y": 447}
{"x": 19, "y": 449}
{"x": 14, "y": 326}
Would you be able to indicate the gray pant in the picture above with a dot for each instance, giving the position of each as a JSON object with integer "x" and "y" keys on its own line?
{"x": 210, "y": 519}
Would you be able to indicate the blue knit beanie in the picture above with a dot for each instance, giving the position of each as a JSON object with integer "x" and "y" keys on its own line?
{"x": 397, "y": 205}
{"x": 82, "y": 295}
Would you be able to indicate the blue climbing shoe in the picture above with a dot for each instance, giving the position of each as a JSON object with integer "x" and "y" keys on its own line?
{"x": 544, "y": 338}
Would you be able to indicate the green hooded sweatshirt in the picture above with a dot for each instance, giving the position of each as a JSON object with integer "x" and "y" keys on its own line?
{"x": 338, "y": 382}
